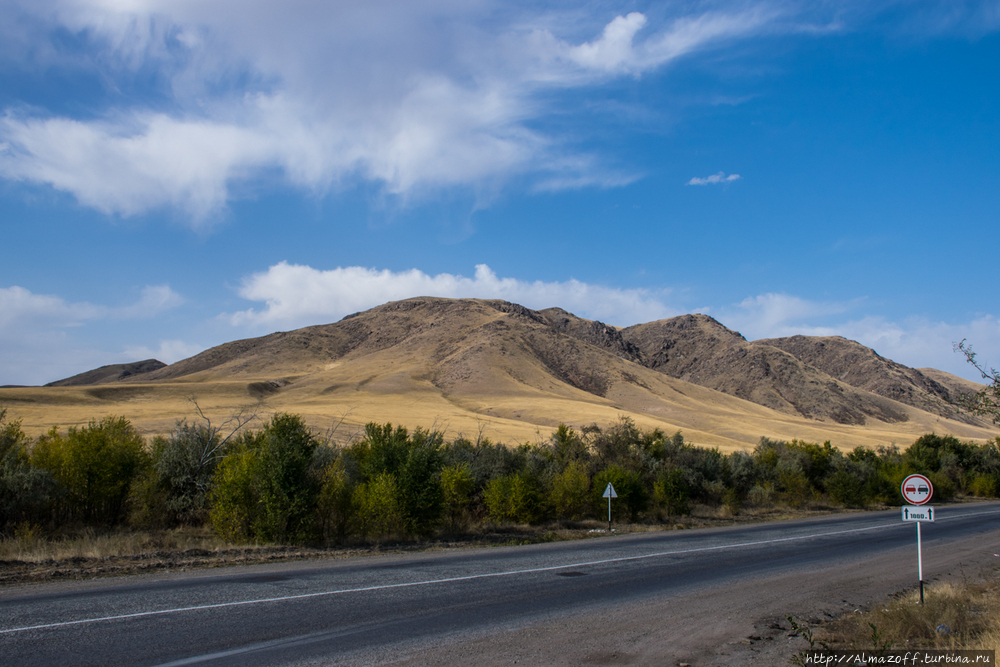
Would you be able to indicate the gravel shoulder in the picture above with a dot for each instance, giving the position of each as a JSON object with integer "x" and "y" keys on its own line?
{"x": 722, "y": 626}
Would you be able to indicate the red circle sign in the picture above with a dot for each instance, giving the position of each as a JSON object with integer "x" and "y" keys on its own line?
{"x": 916, "y": 489}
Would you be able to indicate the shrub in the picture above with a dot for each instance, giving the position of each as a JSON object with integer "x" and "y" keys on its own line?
{"x": 632, "y": 494}
{"x": 420, "y": 483}
{"x": 456, "y": 492}
{"x": 184, "y": 464}
{"x": 570, "y": 494}
{"x": 95, "y": 466}
{"x": 846, "y": 488}
{"x": 334, "y": 504}
{"x": 24, "y": 489}
{"x": 234, "y": 494}
{"x": 761, "y": 495}
{"x": 983, "y": 486}
{"x": 671, "y": 494}
{"x": 287, "y": 489}
{"x": 513, "y": 498}
{"x": 944, "y": 487}
{"x": 378, "y": 510}
{"x": 795, "y": 486}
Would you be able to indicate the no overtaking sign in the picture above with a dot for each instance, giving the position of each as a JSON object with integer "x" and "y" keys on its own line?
{"x": 916, "y": 489}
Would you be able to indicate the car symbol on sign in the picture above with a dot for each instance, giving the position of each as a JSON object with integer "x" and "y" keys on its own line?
{"x": 911, "y": 489}
{"x": 922, "y": 489}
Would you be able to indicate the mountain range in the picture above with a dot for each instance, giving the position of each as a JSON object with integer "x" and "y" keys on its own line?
{"x": 495, "y": 368}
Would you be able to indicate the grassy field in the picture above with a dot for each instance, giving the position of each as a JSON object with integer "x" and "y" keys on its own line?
{"x": 706, "y": 418}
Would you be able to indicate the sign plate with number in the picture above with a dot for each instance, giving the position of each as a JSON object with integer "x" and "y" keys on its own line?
{"x": 925, "y": 513}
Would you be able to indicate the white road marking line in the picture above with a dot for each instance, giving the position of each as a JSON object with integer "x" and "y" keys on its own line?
{"x": 469, "y": 577}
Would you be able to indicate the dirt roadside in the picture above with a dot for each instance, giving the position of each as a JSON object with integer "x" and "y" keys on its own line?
{"x": 156, "y": 557}
{"x": 719, "y": 627}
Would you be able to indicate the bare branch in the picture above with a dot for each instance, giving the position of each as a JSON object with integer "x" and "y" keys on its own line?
{"x": 986, "y": 402}
{"x": 335, "y": 426}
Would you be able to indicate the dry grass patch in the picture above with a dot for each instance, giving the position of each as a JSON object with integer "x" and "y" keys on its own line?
{"x": 29, "y": 546}
{"x": 962, "y": 615}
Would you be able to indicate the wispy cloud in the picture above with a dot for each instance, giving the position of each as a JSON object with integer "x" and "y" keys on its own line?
{"x": 415, "y": 97}
{"x": 168, "y": 351}
{"x": 40, "y": 334}
{"x": 295, "y": 295}
{"x": 714, "y": 179}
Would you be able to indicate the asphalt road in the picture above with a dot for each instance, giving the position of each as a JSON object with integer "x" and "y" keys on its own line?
{"x": 364, "y": 611}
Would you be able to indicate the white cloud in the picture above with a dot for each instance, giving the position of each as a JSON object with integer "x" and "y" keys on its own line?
{"x": 714, "y": 179}
{"x": 414, "y": 96}
{"x": 614, "y": 50}
{"x": 43, "y": 337}
{"x": 155, "y": 299}
{"x": 168, "y": 351}
{"x": 295, "y": 295}
{"x": 773, "y": 315}
{"x": 19, "y": 307}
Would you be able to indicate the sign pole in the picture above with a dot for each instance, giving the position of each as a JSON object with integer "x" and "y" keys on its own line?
{"x": 920, "y": 565}
{"x": 918, "y": 490}
{"x": 609, "y": 493}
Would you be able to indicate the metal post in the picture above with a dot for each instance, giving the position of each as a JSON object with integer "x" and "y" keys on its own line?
{"x": 609, "y": 515}
{"x": 920, "y": 565}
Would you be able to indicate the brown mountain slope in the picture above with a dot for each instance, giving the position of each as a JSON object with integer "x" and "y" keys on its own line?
{"x": 863, "y": 368}
{"x": 475, "y": 366}
{"x": 698, "y": 349}
{"x": 111, "y": 373}
{"x": 954, "y": 384}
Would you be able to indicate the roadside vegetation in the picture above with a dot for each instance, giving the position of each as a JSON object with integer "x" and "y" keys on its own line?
{"x": 276, "y": 482}
{"x": 955, "y": 615}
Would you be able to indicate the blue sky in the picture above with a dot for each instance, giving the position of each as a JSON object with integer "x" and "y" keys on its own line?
{"x": 178, "y": 174}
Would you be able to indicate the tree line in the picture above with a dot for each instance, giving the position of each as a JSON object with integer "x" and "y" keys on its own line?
{"x": 283, "y": 483}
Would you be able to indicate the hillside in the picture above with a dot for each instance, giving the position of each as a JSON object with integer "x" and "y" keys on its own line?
{"x": 111, "y": 373}
{"x": 863, "y": 368}
{"x": 489, "y": 367}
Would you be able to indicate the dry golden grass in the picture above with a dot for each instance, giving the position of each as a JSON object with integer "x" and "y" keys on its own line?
{"x": 705, "y": 417}
{"x": 28, "y": 545}
{"x": 953, "y": 616}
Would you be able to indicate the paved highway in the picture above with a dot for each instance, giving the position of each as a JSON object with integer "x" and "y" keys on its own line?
{"x": 362, "y": 611}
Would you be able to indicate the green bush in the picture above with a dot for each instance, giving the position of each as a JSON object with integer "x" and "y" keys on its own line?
{"x": 334, "y": 504}
{"x": 944, "y": 487}
{"x": 378, "y": 508}
{"x": 95, "y": 466}
{"x": 513, "y": 499}
{"x": 24, "y": 489}
{"x": 846, "y": 488}
{"x": 267, "y": 489}
{"x": 795, "y": 487}
{"x": 570, "y": 494}
{"x": 184, "y": 464}
{"x": 288, "y": 490}
{"x": 761, "y": 495}
{"x": 633, "y": 497}
{"x": 456, "y": 493}
{"x": 234, "y": 495}
{"x": 420, "y": 483}
{"x": 671, "y": 494}
{"x": 984, "y": 486}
